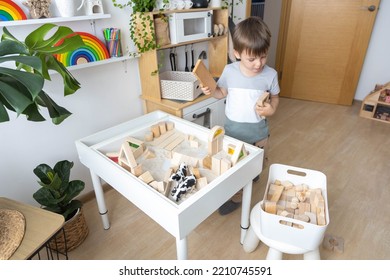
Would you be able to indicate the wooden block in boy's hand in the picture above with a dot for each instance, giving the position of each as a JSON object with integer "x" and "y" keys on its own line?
{"x": 204, "y": 76}
{"x": 263, "y": 98}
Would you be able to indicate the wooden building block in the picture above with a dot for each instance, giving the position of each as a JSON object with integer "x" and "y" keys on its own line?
{"x": 162, "y": 138}
{"x": 195, "y": 171}
{"x": 225, "y": 165}
{"x": 277, "y": 192}
{"x": 162, "y": 127}
{"x": 155, "y": 130}
{"x": 126, "y": 155}
{"x": 194, "y": 144}
{"x": 135, "y": 143}
{"x": 263, "y": 98}
{"x": 270, "y": 207}
{"x": 312, "y": 216}
{"x": 237, "y": 153}
{"x": 215, "y": 140}
{"x": 287, "y": 184}
{"x": 146, "y": 177}
{"x": 114, "y": 156}
{"x": 204, "y": 76}
{"x": 170, "y": 125}
{"x": 136, "y": 170}
{"x": 201, "y": 182}
{"x": 216, "y": 164}
{"x": 168, "y": 183}
{"x": 333, "y": 243}
{"x": 149, "y": 136}
{"x": 174, "y": 143}
{"x": 207, "y": 162}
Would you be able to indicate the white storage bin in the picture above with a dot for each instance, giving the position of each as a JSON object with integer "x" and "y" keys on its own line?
{"x": 179, "y": 85}
{"x": 308, "y": 237}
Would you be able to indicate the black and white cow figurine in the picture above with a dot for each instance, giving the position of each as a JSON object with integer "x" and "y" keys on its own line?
{"x": 183, "y": 187}
{"x": 180, "y": 174}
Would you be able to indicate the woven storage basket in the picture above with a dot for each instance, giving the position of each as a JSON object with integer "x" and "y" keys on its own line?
{"x": 76, "y": 230}
{"x": 179, "y": 85}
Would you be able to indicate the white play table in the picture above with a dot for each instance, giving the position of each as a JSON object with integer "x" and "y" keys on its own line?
{"x": 179, "y": 219}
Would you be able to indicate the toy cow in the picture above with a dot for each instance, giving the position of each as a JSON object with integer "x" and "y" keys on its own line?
{"x": 184, "y": 181}
{"x": 183, "y": 187}
{"x": 180, "y": 174}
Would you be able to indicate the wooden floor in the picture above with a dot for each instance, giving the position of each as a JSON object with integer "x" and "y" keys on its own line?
{"x": 354, "y": 154}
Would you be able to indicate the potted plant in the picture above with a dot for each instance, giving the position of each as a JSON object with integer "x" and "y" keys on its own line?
{"x": 141, "y": 23}
{"x": 21, "y": 84}
{"x": 57, "y": 194}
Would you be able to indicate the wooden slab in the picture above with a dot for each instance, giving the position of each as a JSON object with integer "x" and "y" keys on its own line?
{"x": 204, "y": 76}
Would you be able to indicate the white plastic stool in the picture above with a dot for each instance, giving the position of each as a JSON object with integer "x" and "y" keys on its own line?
{"x": 276, "y": 248}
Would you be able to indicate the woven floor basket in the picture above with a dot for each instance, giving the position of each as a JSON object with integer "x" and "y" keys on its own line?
{"x": 76, "y": 230}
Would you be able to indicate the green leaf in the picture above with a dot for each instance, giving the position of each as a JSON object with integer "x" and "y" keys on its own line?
{"x": 21, "y": 88}
{"x": 70, "y": 208}
{"x": 45, "y": 197}
{"x": 19, "y": 102}
{"x": 56, "y": 112}
{"x": 71, "y": 85}
{"x": 12, "y": 47}
{"x": 3, "y": 113}
{"x": 63, "y": 40}
{"x": 73, "y": 189}
{"x": 42, "y": 171}
{"x": 32, "y": 61}
{"x": 21, "y": 80}
{"x": 32, "y": 113}
{"x": 62, "y": 168}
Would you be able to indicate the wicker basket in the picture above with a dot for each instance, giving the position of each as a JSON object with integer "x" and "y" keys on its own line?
{"x": 179, "y": 85}
{"x": 76, "y": 230}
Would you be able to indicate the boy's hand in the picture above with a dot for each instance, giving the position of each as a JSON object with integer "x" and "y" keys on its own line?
{"x": 206, "y": 90}
{"x": 264, "y": 111}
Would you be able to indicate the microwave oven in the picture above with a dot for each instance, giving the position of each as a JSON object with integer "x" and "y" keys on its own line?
{"x": 184, "y": 27}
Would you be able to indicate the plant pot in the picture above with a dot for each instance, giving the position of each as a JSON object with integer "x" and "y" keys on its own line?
{"x": 76, "y": 230}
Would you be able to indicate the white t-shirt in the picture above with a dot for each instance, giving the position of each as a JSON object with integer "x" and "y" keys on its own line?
{"x": 244, "y": 91}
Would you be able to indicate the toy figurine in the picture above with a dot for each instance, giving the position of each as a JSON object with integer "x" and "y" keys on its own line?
{"x": 38, "y": 8}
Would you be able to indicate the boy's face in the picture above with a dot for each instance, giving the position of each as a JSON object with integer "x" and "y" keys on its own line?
{"x": 251, "y": 65}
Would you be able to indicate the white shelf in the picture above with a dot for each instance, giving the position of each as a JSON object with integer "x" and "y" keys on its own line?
{"x": 97, "y": 63}
{"x": 53, "y": 20}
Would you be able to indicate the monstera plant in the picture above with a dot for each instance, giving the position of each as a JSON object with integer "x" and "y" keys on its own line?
{"x": 24, "y": 67}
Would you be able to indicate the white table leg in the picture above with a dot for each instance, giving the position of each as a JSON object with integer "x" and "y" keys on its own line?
{"x": 245, "y": 211}
{"x": 181, "y": 248}
{"x": 100, "y": 200}
{"x": 251, "y": 240}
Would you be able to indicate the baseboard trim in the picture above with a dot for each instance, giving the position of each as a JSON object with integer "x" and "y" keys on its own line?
{"x": 88, "y": 196}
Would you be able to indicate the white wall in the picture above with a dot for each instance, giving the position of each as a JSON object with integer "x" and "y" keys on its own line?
{"x": 109, "y": 95}
{"x": 376, "y": 68}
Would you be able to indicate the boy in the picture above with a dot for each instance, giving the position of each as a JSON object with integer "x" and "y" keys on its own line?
{"x": 242, "y": 83}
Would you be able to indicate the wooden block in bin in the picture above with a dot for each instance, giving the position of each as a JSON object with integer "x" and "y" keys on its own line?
{"x": 270, "y": 207}
{"x": 204, "y": 76}
{"x": 277, "y": 192}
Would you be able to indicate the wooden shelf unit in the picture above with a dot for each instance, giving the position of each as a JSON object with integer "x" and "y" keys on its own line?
{"x": 374, "y": 108}
{"x": 148, "y": 65}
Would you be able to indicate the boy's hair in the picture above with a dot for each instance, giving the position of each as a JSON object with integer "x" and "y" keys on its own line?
{"x": 251, "y": 35}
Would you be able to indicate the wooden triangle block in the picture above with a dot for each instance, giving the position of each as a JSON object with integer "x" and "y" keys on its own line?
{"x": 204, "y": 76}
{"x": 127, "y": 154}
